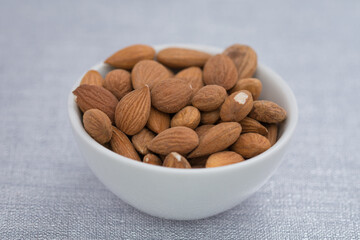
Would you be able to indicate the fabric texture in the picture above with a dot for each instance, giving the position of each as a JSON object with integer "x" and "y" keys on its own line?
{"x": 48, "y": 192}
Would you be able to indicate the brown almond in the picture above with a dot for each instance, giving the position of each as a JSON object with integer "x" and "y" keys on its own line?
{"x": 91, "y": 96}
{"x": 188, "y": 117}
{"x": 250, "y": 145}
{"x": 267, "y": 111}
{"x": 245, "y": 59}
{"x": 121, "y": 144}
{"x": 170, "y": 95}
{"x": 198, "y": 162}
{"x": 98, "y": 125}
{"x": 220, "y": 70}
{"x": 133, "y": 110}
{"x": 92, "y": 77}
{"x": 152, "y": 159}
{"x": 200, "y": 131}
{"x": 118, "y": 83}
{"x": 141, "y": 140}
{"x": 175, "y": 160}
{"x": 209, "y": 98}
{"x": 158, "y": 121}
{"x": 251, "y": 125}
{"x": 253, "y": 85}
{"x": 127, "y": 57}
{"x": 194, "y": 76}
{"x": 217, "y": 139}
{"x": 148, "y": 72}
{"x": 210, "y": 117}
{"x": 182, "y": 57}
{"x": 223, "y": 158}
{"x": 176, "y": 139}
{"x": 272, "y": 133}
{"x": 236, "y": 106}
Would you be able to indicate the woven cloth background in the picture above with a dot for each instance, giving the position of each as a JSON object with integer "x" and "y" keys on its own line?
{"x": 48, "y": 192}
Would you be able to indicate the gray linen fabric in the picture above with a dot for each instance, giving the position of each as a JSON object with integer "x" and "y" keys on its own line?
{"x": 48, "y": 192}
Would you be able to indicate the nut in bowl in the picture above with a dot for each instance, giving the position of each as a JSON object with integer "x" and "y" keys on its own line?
{"x": 240, "y": 148}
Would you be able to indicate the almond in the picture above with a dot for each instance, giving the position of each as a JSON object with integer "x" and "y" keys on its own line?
{"x": 118, "y": 83}
{"x": 236, "y": 106}
{"x": 251, "y": 144}
{"x": 91, "y": 96}
{"x": 200, "y": 131}
{"x": 193, "y": 75}
{"x": 158, "y": 121}
{"x": 188, "y": 117}
{"x": 175, "y": 160}
{"x": 126, "y": 58}
{"x": 210, "y": 117}
{"x": 272, "y": 133}
{"x": 176, "y": 139}
{"x": 98, "y": 125}
{"x": 267, "y": 111}
{"x": 92, "y": 77}
{"x": 223, "y": 158}
{"x": 220, "y": 70}
{"x": 170, "y": 95}
{"x": 148, "y": 72}
{"x": 253, "y": 85}
{"x": 133, "y": 110}
{"x": 141, "y": 140}
{"x": 152, "y": 159}
{"x": 198, "y": 162}
{"x": 182, "y": 57}
{"x": 251, "y": 125}
{"x": 121, "y": 144}
{"x": 245, "y": 59}
{"x": 209, "y": 98}
{"x": 217, "y": 139}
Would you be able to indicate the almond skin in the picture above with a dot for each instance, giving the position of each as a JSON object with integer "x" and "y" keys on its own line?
{"x": 141, "y": 140}
{"x": 217, "y": 139}
{"x": 267, "y": 111}
{"x": 272, "y": 133}
{"x": 91, "y": 96}
{"x": 253, "y": 85}
{"x": 158, "y": 121}
{"x": 188, "y": 117}
{"x": 250, "y": 145}
{"x": 98, "y": 125}
{"x": 133, "y": 110}
{"x": 220, "y": 70}
{"x": 148, "y": 72}
{"x": 182, "y": 57}
{"x": 223, "y": 158}
{"x": 209, "y": 98}
{"x": 118, "y": 83}
{"x": 176, "y": 139}
{"x": 175, "y": 160}
{"x": 194, "y": 76}
{"x": 210, "y": 117}
{"x": 92, "y": 77}
{"x": 171, "y": 95}
{"x": 251, "y": 125}
{"x": 236, "y": 106}
{"x": 121, "y": 144}
{"x": 126, "y": 58}
{"x": 152, "y": 159}
{"x": 245, "y": 59}
{"x": 200, "y": 131}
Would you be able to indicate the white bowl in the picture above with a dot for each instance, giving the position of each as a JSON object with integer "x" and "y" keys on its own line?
{"x": 186, "y": 194}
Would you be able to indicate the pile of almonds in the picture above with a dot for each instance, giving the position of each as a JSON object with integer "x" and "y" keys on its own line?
{"x": 186, "y": 109}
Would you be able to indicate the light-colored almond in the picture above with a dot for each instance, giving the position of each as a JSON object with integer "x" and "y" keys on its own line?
{"x": 253, "y": 85}
{"x": 121, "y": 144}
{"x": 175, "y": 160}
{"x": 141, "y": 140}
{"x": 203, "y": 129}
{"x": 152, "y": 159}
{"x": 267, "y": 111}
{"x": 148, "y": 72}
{"x": 133, "y": 110}
{"x": 188, "y": 117}
{"x": 209, "y": 98}
{"x": 250, "y": 145}
{"x": 158, "y": 121}
{"x": 245, "y": 59}
{"x": 176, "y": 139}
{"x": 127, "y": 57}
{"x": 236, "y": 106}
{"x": 220, "y": 70}
{"x": 194, "y": 76}
{"x": 92, "y": 77}
{"x": 118, "y": 83}
{"x": 91, "y": 96}
{"x": 272, "y": 133}
{"x": 216, "y": 139}
{"x": 251, "y": 125}
{"x": 98, "y": 125}
{"x": 223, "y": 158}
{"x": 182, "y": 57}
{"x": 210, "y": 117}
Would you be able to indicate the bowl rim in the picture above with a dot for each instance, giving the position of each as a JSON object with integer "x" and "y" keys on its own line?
{"x": 280, "y": 144}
